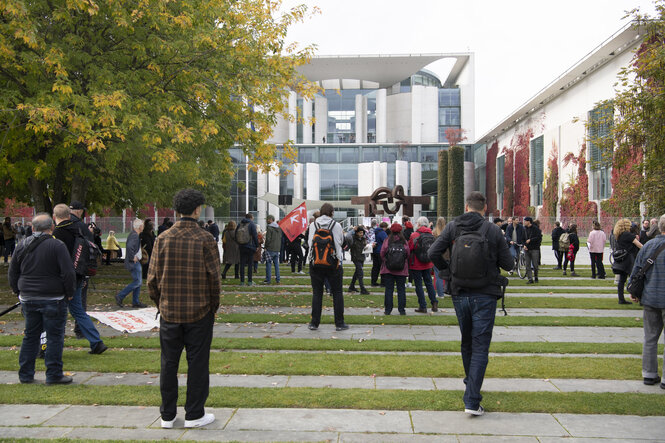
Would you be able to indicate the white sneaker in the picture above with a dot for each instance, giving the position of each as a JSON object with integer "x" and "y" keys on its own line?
{"x": 168, "y": 424}
{"x": 203, "y": 421}
{"x": 479, "y": 411}
{"x": 409, "y": 285}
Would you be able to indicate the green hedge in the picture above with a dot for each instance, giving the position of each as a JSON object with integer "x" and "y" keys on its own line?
{"x": 442, "y": 185}
{"x": 456, "y": 181}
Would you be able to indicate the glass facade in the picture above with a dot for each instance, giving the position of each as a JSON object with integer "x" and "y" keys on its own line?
{"x": 342, "y": 115}
{"x": 536, "y": 170}
{"x": 449, "y": 111}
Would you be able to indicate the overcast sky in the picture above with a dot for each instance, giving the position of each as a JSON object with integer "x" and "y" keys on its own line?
{"x": 520, "y": 45}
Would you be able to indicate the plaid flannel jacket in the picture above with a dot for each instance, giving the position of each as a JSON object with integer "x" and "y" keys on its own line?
{"x": 183, "y": 277}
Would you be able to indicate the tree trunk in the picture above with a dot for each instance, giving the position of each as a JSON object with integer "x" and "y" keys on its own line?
{"x": 79, "y": 188}
{"x": 40, "y": 199}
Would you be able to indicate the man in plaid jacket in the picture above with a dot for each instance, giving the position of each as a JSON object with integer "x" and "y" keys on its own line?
{"x": 184, "y": 282}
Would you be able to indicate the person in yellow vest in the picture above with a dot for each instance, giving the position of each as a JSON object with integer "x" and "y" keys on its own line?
{"x": 112, "y": 247}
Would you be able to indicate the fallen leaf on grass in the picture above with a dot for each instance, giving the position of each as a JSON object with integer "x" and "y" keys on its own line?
{"x": 226, "y": 367}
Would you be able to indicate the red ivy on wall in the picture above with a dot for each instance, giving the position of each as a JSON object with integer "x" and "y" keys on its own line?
{"x": 11, "y": 208}
{"x": 508, "y": 200}
{"x": 551, "y": 189}
{"x": 626, "y": 176}
{"x": 517, "y": 191}
{"x": 490, "y": 178}
{"x": 575, "y": 200}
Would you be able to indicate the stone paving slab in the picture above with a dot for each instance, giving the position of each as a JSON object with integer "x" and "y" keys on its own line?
{"x": 41, "y": 433}
{"x": 332, "y": 381}
{"x": 28, "y": 415}
{"x": 623, "y": 427}
{"x": 124, "y": 434}
{"x": 253, "y": 436}
{"x": 106, "y": 416}
{"x": 246, "y": 381}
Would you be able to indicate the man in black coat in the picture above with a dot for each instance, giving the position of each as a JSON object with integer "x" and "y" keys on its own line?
{"x": 42, "y": 275}
{"x": 556, "y": 234}
{"x": 532, "y": 247}
{"x": 214, "y": 230}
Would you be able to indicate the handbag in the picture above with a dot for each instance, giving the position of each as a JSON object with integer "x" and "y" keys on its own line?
{"x": 571, "y": 252}
{"x": 619, "y": 255}
{"x": 144, "y": 256}
{"x": 636, "y": 284}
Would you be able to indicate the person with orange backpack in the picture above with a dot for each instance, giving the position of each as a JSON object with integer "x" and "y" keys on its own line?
{"x": 325, "y": 238}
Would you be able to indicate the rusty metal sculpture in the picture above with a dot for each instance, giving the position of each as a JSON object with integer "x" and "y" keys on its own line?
{"x": 381, "y": 199}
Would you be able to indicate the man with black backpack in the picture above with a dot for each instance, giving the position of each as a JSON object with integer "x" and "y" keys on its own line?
{"x": 325, "y": 262}
{"x": 248, "y": 241}
{"x": 73, "y": 232}
{"x": 477, "y": 250}
{"x": 42, "y": 275}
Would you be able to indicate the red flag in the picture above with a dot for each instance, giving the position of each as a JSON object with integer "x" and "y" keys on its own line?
{"x": 295, "y": 222}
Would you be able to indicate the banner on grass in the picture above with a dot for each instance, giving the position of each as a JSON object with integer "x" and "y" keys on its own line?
{"x": 138, "y": 320}
{"x": 295, "y": 222}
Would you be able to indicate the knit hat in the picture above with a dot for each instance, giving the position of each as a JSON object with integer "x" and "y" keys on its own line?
{"x": 396, "y": 227}
{"x": 529, "y": 219}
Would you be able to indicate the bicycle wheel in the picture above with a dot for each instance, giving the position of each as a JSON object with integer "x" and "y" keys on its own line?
{"x": 521, "y": 265}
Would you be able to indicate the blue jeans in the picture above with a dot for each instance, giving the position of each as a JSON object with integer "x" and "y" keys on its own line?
{"x": 475, "y": 314}
{"x": 273, "y": 258}
{"x": 85, "y": 324}
{"x": 390, "y": 280}
{"x": 438, "y": 285}
{"x": 134, "y": 286}
{"x": 418, "y": 278}
{"x": 48, "y": 316}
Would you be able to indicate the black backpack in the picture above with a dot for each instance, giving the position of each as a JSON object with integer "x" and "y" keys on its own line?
{"x": 242, "y": 234}
{"x": 86, "y": 256}
{"x": 423, "y": 243}
{"x": 469, "y": 258}
{"x": 396, "y": 256}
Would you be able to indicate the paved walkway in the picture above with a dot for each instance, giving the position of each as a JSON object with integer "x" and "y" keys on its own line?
{"x": 334, "y": 425}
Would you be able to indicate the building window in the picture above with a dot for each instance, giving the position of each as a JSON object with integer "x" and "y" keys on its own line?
{"x": 500, "y": 163}
{"x": 449, "y": 112}
{"x": 536, "y": 171}
{"x": 601, "y": 145}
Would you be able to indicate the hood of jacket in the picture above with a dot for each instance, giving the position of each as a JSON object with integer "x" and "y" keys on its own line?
{"x": 424, "y": 229}
{"x": 469, "y": 221}
{"x": 273, "y": 225}
{"x": 408, "y": 225}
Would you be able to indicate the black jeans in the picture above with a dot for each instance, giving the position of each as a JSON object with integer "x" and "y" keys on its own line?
{"x": 334, "y": 276}
{"x": 358, "y": 275}
{"x": 597, "y": 267}
{"x": 226, "y": 269}
{"x": 623, "y": 277}
{"x": 196, "y": 338}
{"x": 376, "y": 269}
{"x": 296, "y": 259}
{"x": 572, "y": 262}
{"x": 392, "y": 281}
{"x": 246, "y": 259}
{"x": 559, "y": 258}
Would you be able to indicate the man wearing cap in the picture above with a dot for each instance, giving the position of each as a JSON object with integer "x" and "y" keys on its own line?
{"x": 68, "y": 226}
{"x": 357, "y": 247}
{"x": 532, "y": 248}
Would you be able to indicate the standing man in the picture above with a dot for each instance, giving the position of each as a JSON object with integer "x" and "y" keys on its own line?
{"x": 67, "y": 229}
{"x": 325, "y": 257}
{"x": 248, "y": 241}
{"x": 476, "y": 284}
{"x": 379, "y": 236}
{"x": 214, "y": 230}
{"x": 183, "y": 280}
{"x": 515, "y": 236}
{"x": 273, "y": 245}
{"x": 644, "y": 232}
{"x": 532, "y": 247}
{"x": 556, "y": 234}
{"x": 166, "y": 223}
{"x": 133, "y": 257}
{"x": 653, "y": 299}
{"x": 42, "y": 276}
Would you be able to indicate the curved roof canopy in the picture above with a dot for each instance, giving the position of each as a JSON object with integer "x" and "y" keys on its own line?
{"x": 384, "y": 70}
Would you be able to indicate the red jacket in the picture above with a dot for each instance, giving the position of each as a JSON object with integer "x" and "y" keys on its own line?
{"x": 414, "y": 263}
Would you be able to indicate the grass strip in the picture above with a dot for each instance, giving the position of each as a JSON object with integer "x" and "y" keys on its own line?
{"x": 119, "y": 360}
{"x": 333, "y": 398}
{"x": 303, "y": 344}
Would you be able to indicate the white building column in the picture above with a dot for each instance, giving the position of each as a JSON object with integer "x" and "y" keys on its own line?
{"x": 307, "y": 121}
{"x": 416, "y": 186}
{"x": 469, "y": 179}
{"x": 417, "y": 96}
{"x": 402, "y": 178}
{"x": 376, "y": 175}
{"x": 381, "y": 98}
{"x": 313, "y": 181}
{"x": 321, "y": 117}
{"x": 361, "y": 119}
{"x": 365, "y": 179}
{"x": 261, "y": 189}
{"x": 293, "y": 116}
{"x": 273, "y": 188}
{"x": 384, "y": 174}
{"x": 298, "y": 171}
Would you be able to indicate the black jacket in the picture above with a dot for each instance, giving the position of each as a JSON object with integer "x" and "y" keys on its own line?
{"x": 534, "y": 236}
{"x": 357, "y": 248}
{"x": 66, "y": 231}
{"x": 521, "y": 233}
{"x": 46, "y": 273}
{"x": 498, "y": 251}
{"x": 556, "y": 234}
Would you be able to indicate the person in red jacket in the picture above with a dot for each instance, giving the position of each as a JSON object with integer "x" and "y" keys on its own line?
{"x": 421, "y": 270}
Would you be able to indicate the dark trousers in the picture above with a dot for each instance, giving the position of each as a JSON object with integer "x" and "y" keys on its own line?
{"x": 597, "y": 267}
{"x": 391, "y": 280}
{"x": 246, "y": 259}
{"x": 48, "y": 316}
{"x": 475, "y": 314}
{"x": 226, "y": 269}
{"x": 572, "y": 262}
{"x": 532, "y": 260}
{"x": 421, "y": 277}
{"x": 296, "y": 259}
{"x": 376, "y": 269}
{"x": 334, "y": 277}
{"x": 196, "y": 338}
{"x": 358, "y": 274}
{"x": 623, "y": 277}
{"x": 9, "y": 248}
{"x": 559, "y": 258}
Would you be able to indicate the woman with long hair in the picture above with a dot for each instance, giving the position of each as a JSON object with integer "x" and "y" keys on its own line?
{"x": 624, "y": 256}
{"x": 395, "y": 252}
{"x": 440, "y": 276}
{"x": 571, "y": 254}
{"x": 147, "y": 238}
{"x": 231, "y": 249}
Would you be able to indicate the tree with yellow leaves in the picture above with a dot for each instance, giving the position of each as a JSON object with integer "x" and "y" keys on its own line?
{"x": 120, "y": 102}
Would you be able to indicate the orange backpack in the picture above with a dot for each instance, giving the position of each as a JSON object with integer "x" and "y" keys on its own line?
{"x": 324, "y": 255}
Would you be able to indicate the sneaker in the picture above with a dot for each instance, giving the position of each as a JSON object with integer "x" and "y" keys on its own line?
{"x": 421, "y": 310}
{"x": 435, "y": 306}
{"x": 652, "y": 381}
{"x": 402, "y": 312}
{"x": 301, "y": 273}
{"x": 536, "y": 279}
{"x": 409, "y": 285}
{"x": 342, "y": 327}
{"x": 662, "y": 386}
{"x": 574, "y": 274}
{"x": 99, "y": 348}
{"x": 65, "y": 379}
{"x": 477, "y": 412}
{"x": 625, "y": 302}
{"x": 79, "y": 335}
{"x": 386, "y": 312}
{"x": 118, "y": 301}
{"x": 312, "y": 327}
{"x": 352, "y": 290}
{"x": 601, "y": 278}
{"x": 140, "y": 305}
{"x": 249, "y": 283}
{"x": 564, "y": 272}
{"x": 364, "y": 292}
{"x": 28, "y": 381}
{"x": 557, "y": 268}
{"x": 168, "y": 424}
{"x": 530, "y": 282}
{"x": 203, "y": 421}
